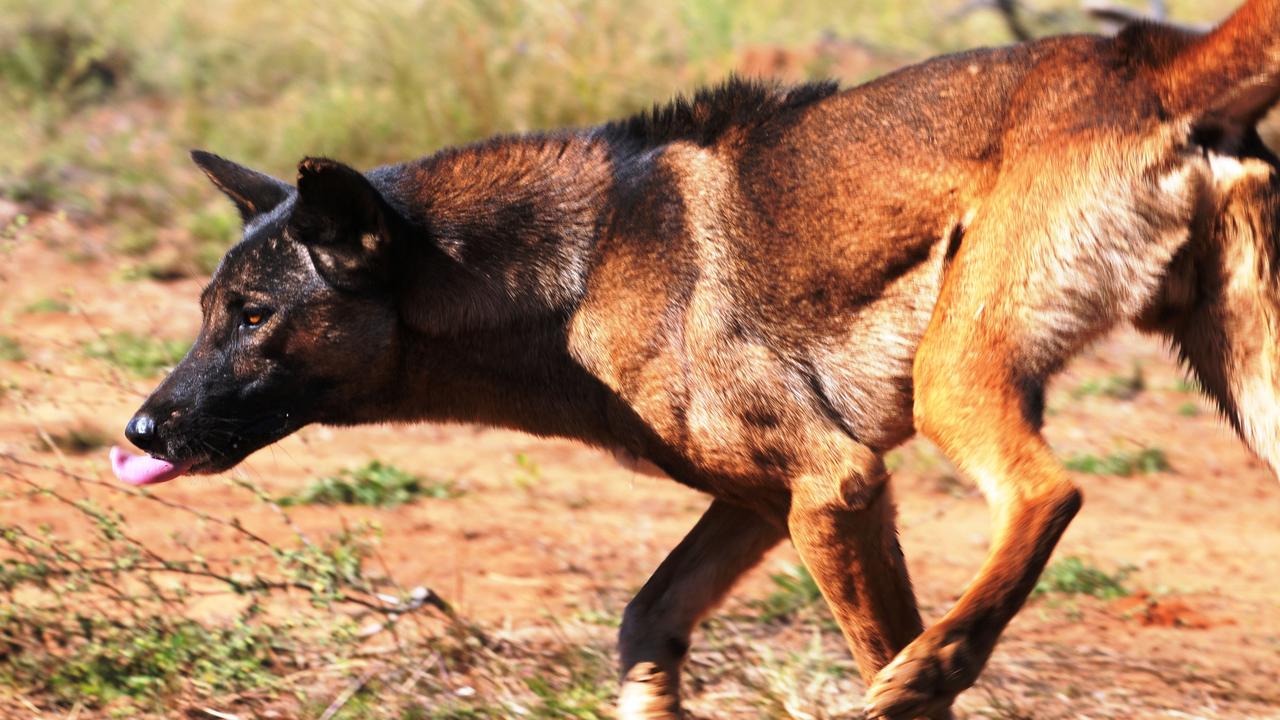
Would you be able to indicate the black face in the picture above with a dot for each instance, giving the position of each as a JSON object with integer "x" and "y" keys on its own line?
{"x": 294, "y": 332}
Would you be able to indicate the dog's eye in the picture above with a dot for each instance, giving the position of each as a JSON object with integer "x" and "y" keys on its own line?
{"x": 253, "y": 317}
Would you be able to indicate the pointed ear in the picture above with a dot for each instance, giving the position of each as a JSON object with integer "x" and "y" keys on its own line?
{"x": 252, "y": 192}
{"x": 1230, "y": 76}
{"x": 343, "y": 222}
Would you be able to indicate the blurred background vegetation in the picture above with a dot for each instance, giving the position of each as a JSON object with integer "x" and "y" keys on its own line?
{"x": 100, "y": 99}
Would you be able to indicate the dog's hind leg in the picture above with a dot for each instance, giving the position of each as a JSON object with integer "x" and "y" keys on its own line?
{"x": 850, "y": 545}
{"x": 694, "y": 578}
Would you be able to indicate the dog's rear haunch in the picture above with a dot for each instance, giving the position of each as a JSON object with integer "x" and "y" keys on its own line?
{"x": 762, "y": 290}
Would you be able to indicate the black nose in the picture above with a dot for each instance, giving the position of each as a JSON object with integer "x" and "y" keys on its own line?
{"x": 141, "y": 431}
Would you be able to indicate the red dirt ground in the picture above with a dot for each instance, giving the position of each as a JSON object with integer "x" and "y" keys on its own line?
{"x": 580, "y": 532}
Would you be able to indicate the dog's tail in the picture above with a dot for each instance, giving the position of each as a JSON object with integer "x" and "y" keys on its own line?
{"x": 1231, "y": 74}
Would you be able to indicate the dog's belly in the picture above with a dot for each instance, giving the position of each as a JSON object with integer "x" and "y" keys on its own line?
{"x": 629, "y": 460}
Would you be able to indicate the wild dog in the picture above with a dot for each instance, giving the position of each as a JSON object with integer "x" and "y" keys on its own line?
{"x": 760, "y": 291}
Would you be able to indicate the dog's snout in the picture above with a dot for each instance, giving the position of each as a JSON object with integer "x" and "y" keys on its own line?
{"x": 141, "y": 431}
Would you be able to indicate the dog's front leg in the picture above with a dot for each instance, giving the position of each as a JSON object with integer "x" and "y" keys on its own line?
{"x": 694, "y": 578}
{"x": 979, "y": 384}
{"x": 850, "y": 545}
{"x": 1032, "y": 501}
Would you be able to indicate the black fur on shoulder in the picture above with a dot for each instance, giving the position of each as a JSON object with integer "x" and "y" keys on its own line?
{"x": 704, "y": 118}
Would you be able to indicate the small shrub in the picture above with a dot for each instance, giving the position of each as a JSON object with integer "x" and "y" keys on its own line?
{"x": 105, "y": 623}
{"x": 165, "y": 265}
{"x": 38, "y": 188}
{"x": 373, "y": 484}
{"x": 1073, "y": 576}
{"x": 165, "y": 270}
{"x": 145, "y": 660}
{"x": 140, "y": 355}
{"x": 1147, "y": 461}
{"x": 11, "y": 350}
{"x": 1189, "y": 409}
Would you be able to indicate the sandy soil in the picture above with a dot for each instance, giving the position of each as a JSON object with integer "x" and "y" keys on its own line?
{"x": 565, "y": 530}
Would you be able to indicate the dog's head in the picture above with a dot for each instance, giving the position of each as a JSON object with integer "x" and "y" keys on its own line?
{"x": 299, "y": 324}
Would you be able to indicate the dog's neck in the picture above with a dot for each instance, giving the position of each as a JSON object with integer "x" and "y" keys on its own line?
{"x": 499, "y": 232}
{"x": 497, "y": 243}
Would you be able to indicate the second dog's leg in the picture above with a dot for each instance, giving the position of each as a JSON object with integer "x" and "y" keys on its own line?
{"x": 694, "y": 578}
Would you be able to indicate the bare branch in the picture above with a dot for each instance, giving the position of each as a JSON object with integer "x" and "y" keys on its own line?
{"x": 1115, "y": 17}
{"x": 1008, "y": 10}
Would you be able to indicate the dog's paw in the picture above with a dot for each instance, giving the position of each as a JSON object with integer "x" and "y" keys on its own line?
{"x": 648, "y": 693}
{"x": 922, "y": 681}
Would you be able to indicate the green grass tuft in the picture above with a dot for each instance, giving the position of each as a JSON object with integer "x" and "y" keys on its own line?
{"x": 1073, "y": 576}
{"x": 11, "y": 350}
{"x": 48, "y": 306}
{"x": 530, "y": 474}
{"x": 374, "y": 484}
{"x": 796, "y": 591}
{"x": 1116, "y": 387}
{"x": 1147, "y": 461}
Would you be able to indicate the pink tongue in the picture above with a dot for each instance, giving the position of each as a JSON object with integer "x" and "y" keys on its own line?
{"x": 143, "y": 469}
